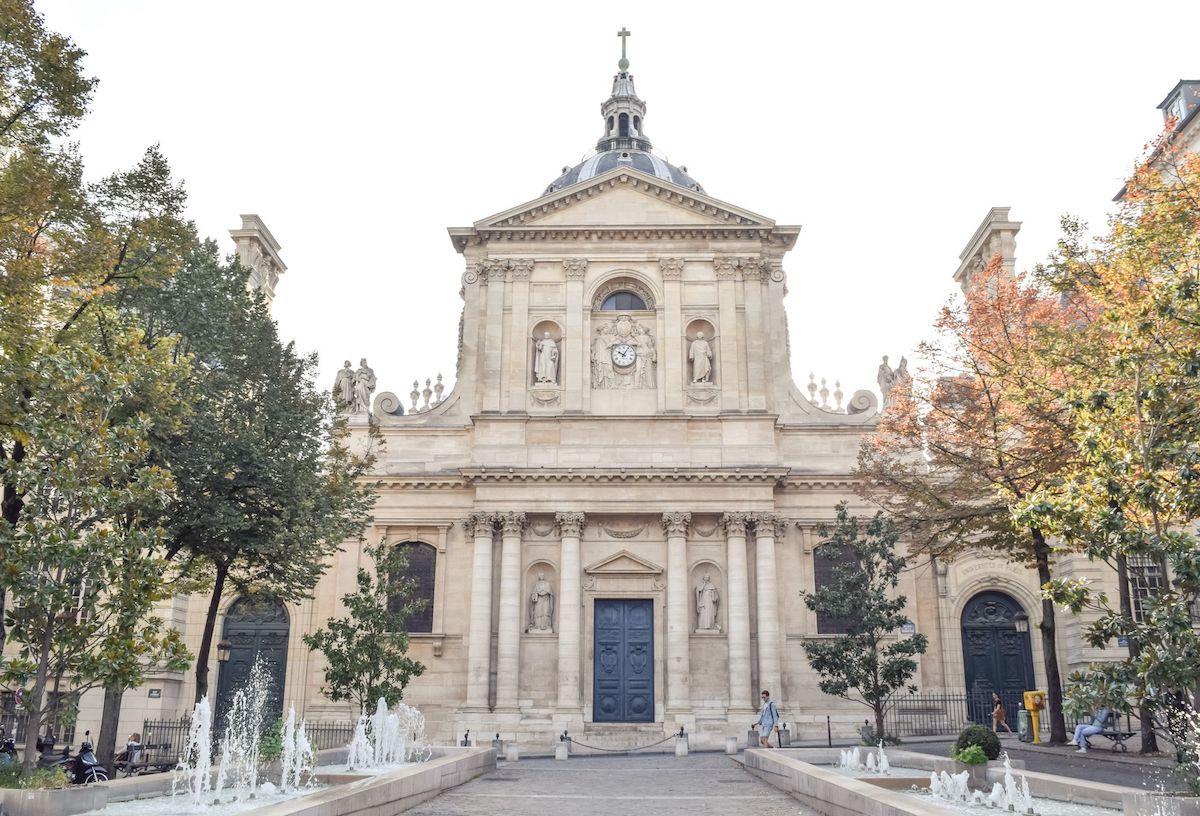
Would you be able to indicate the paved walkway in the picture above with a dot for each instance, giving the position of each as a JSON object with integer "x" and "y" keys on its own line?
{"x": 654, "y": 785}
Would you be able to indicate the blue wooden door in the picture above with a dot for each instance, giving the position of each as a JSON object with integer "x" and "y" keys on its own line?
{"x": 623, "y": 689}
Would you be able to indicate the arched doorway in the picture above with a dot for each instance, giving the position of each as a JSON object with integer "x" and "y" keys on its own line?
{"x": 996, "y": 657}
{"x": 255, "y": 629}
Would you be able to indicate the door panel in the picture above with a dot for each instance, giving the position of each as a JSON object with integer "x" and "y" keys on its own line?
{"x": 623, "y": 688}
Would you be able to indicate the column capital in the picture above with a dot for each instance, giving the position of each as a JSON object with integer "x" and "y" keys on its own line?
{"x": 769, "y": 524}
{"x": 569, "y": 523}
{"x": 512, "y": 523}
{"x": 726, "y": 266}
{"x": 676, "y": 523}
{"x": 735, "y": 523}
{"x": 575, "y": 267}
{"x": 480, "y": 524}
{"x": 672, "y": 268}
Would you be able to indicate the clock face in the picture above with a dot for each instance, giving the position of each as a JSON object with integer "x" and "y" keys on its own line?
{"x": 624, "y": 355}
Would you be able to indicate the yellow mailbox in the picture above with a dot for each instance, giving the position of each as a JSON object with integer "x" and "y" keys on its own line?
{"x": 1035, "y": 701}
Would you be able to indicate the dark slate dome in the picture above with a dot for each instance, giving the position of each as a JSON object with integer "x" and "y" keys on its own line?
{"x": 624, "y": 143}
{"x": 642, "y": 160}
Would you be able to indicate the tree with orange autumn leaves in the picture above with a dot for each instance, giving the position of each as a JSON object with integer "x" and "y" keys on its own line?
{"x": 983, "y": 427}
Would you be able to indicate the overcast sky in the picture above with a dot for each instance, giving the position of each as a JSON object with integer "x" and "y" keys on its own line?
{"x": 361, "y": 131}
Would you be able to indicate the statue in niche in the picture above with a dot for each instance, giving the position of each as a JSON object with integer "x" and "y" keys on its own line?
{"x": 886, "y": 379}
{"x": 700, "y": 353}
{"x": 541, "y": 606}
{"x": 708, "y": 599}
{"x": 343, "y": 388}
{"x": 364, "y": 384}
{"x": 545, "y": 361}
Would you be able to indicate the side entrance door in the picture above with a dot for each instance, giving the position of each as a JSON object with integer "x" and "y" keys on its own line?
{"x": 623, "y": 689}
{"x": 996, "y": 657}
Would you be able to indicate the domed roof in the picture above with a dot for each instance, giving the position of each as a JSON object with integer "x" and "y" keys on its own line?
{"x": 606, "y": 160}
{"x": 624, "y": 143}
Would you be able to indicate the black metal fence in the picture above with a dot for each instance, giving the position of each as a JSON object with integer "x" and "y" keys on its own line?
{"x": 935, "y": 713}
{"x": 329, "y": 735}
{"x": 165, "y": 740}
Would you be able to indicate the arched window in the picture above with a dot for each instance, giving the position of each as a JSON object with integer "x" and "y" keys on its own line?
{"x": 610, "y": 125}
{"x": 623, "y": 302}
{"x": 420, "y": 569}
{"x": 623, "y": 124}
{"x": 637, "y": 124}
{"x": 826, "y": 560}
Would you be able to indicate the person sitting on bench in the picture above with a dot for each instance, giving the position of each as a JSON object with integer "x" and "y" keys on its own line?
{"x": 1083, "y": 731}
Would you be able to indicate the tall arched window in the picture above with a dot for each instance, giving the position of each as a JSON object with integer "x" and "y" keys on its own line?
{"x": 420, "y": 569}
{"x": 623, "y": 302}
{"x": 826, "y": 560}
{"x": 623, "y": 124}
{"x": 637, "y": 124}
{"x": 610, "y": 125}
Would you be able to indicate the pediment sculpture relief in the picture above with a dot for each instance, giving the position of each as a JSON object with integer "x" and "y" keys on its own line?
{"x": 624, "y": 355}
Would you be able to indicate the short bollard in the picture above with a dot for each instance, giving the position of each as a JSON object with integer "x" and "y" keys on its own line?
{"x": 731, "y": 745}
{"x": 511, "y": 753}
{"x": 681, "y": 743}
{"x": 560, "y": 751}
{"x": 785, "y": 736}
{"x": 466, "y": 740}
{"x": 752, "y": 738}
{"x": 498, "y": 746}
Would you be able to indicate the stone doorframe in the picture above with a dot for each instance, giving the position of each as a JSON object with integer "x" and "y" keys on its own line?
{"x": 624, "y": 575}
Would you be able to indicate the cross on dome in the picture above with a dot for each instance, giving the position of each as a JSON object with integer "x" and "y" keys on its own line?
{"x": 623, "y": 63}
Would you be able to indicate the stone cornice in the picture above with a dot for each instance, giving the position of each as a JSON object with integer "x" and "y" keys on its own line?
{"x": 419, "y": 482}
{"x": 772, "y": 476}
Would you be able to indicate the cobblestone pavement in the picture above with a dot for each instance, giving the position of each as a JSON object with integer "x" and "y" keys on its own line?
{"x": 1098, "y": 765}
{"x": 653, "y": 785}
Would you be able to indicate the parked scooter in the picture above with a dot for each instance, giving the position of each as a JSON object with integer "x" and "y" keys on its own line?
{"x": 8, "y": 748}
{"x": 84, "y": 768}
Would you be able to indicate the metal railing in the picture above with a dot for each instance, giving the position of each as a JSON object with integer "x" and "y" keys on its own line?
{"x": 935, "y": 713}
{"x": 165, "y": 739}
{"x": 329, "y": 735}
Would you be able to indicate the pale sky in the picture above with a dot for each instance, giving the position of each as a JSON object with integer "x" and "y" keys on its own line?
{"x": 360, "y": 131}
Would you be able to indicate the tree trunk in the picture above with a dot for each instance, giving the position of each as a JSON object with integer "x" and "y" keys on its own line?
{"x": 10, "y": 506}
{"x": 36, "y": 702}
{"x": 1145, "y": 714}
{"x": 879, "y": 722}
{"x": 210, "y": 623}
{"x": 1054, "y": 695}
{"x": 106, "y": 742}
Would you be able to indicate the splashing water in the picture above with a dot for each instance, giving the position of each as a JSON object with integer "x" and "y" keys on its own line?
{"x": 388, "y": 738}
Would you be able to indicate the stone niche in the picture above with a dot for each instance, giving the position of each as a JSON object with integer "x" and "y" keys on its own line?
{"x": 701, "y": 351}
{"x": 545, "y": 393}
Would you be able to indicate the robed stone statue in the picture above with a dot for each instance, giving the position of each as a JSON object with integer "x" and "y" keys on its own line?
{"x": 886, "y": 379}
{"x": 708, "y": 600}
{"x": 700, "y": 353}
{"x": 343, "y": 388}
{"x": 541, "y": 606}
{"x": 545, "y": 361}
{"x": 364, "y": 384}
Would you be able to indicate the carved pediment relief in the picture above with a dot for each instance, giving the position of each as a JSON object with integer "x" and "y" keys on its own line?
{"x": 625, "y": 196}
{"x": 623, "y": 563}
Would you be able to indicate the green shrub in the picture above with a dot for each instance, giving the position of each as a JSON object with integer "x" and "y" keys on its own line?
{"x": 270, "y": 747}
{"x": 979, "y": 735}
{"x": 971, "y": 755}
{"x": 869, "y": 737}
{"x": 10, "y": 775}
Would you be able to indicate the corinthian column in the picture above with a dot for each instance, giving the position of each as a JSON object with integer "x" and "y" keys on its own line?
{"x": 679, "y": 668}
{"x": 768, "y": 527}
{"x": 570, "y": 527}
{"x": 741, "y": 696}
{"x": 508, "y": 636}
{"x": 481, "y": 527}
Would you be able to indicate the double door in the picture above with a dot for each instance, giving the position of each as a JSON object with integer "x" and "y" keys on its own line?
{"x": 623, "y": 663}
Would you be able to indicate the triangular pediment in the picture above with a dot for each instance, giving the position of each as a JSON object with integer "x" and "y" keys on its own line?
{"x": 625, "y": 197}
{"x": 623, "y": 563}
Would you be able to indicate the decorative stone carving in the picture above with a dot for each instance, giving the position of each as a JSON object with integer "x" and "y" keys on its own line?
{"x": 769, "y": 524}
{"x": 707, "y": 601}
{"x": 570, "y": 524}
{"x": 512, "y": 523}
{"x": 862, "y": 402}
{"x": 735, "y": 523}
{"x": 622, "y": 285}
{"x": 624, "y": 355}
{"x": 541, "y": 606}
{"x": 726, "y": 268}
{"x": 343, "y": 388}
{"x": 903, "y": 384}
{"x": 545, "y": 361}
{"x": 575, "y": 267}
{"x": 672, "y": 268}
{"x": 364, "y": 384}
{"x": 700, "y": 353}
{"x": 546, "y": 397}
{"x": 634, "y": 533}
{"x": 676, "y": 523}
{"x": 480, "y": 524}
{"x": 520, "y": 267}
{"x": 886, "y": 379}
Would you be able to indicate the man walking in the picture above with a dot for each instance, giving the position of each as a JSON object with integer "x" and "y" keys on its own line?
{"x": 768, "y": 720}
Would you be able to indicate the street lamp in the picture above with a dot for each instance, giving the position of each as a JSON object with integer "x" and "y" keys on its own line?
{"x": 1020, "y": 619}
{"x": 224, "y": 648}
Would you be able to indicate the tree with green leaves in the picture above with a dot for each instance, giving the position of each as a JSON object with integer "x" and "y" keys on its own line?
{"x": 1132, "y": 496}
{"x": 869, "y": 662}
{"x": 367, "y": 650}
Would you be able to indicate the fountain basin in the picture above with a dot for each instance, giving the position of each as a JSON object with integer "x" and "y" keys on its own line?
{"x": 798, "y": 772}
